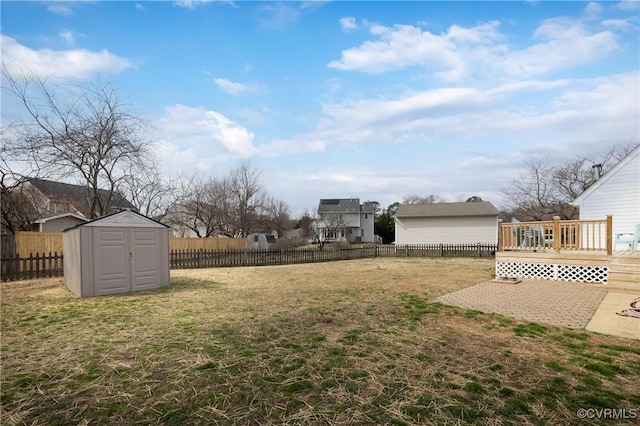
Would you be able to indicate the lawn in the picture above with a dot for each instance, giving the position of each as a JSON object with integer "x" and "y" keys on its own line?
{"x": 352, "y": 342}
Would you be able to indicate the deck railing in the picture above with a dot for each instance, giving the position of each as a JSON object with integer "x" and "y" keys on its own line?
{"x": 557, "y": 235}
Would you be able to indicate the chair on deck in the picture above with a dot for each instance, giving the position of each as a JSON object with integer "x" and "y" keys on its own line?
{"x": 630, "y": 238}
{"x": 539, "y": 237}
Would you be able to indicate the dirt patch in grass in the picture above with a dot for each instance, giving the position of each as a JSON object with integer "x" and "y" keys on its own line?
{"x": 354, "y": 342}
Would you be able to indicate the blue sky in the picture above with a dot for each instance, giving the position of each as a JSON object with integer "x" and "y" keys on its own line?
{"x": 375, "y": 100}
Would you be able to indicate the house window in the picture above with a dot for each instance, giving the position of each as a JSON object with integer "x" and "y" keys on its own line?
{"x": 256, "y": 238}
{"x": 362, "y": 232}
{"x": 366, "y": 215}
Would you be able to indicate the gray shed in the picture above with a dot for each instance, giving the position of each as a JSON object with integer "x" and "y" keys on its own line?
{"x": 118, "y": 253}
{"x": 260, "y": 241}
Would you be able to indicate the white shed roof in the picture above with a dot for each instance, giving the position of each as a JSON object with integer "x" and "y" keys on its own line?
{"x": 125, "y": 218}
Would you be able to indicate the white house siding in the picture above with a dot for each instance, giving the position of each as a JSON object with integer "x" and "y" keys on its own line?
{"x": 351, "y": 220}
{"x": 618, "y": 195}
{"x": 447, "y": 230}
{"x": 366, "y": 225}
{"x": 59, "y": 225}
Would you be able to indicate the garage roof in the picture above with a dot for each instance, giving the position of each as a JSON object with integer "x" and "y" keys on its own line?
{"x": 478, "y": 208}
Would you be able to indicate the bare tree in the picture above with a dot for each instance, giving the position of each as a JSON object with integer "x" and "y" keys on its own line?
{"x": 247, "y": 199}
{"x": 573, "y": 177}
{"x": 17, "y": 205}
{"x": 307, "y": 222}
{"x": 417, "y": 199}
{"x": 152, "y": 194}
{"x": 277, "y": 216}
{"x": 81, "y": 131}
{"x": 533, "y": 193}
{"x": 205, "y": 208}
{"x": 546, "y": 189}
{"x": 331, "y": 225}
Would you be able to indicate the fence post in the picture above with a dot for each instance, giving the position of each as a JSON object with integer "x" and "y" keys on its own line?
{"x": 556, "y": 234}
{"x": 609, "y": 234}
{"x": 31, "y": 265}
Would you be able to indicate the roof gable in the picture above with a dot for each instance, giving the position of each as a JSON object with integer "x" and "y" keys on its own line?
{"x": 54, "y": 216}
{"x": 479, "y": 208}
{"x": 615, "y": 169}
{"x": 125, "y": 218}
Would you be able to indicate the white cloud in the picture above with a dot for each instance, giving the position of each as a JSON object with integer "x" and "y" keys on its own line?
{"x": 628, "y": 24}
{"x": 67, "y": 37}
{"x": 191, "y": 4}
{"x": 195, "y": 136}
{"x": 76, "y": 63}
{"x": 280, "y": 14}
{"x": 628, "y": 5}
{"x": 404, "y": 46}
{"x": 234, "y": 88}
{"x": 593, "y": 10}
{"x": 461, "y": 54}
{"x": 564, "y": 43}
{"x": 59, "y": 8}
{"x": 348, "y": 23}
{"x": 531, "y": 112}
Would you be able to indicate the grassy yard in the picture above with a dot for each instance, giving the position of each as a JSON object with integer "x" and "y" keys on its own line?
{"x": 353, "y": 342}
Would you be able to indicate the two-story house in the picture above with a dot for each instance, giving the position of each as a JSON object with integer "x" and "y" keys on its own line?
{"x": 345, "y": 219}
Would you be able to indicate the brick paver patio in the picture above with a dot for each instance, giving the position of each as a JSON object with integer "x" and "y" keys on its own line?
{"x": 566, "y": 304}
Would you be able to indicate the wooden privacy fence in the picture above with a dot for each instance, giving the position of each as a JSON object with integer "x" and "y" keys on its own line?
{"x": 45, "y": 242}
{"x": 42, "y": 265}
{"x": 38, "y": 242}
{"x": 177, "y": 243}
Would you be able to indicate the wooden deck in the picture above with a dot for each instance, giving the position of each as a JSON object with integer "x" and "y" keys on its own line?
{"x": 619, "y": 270}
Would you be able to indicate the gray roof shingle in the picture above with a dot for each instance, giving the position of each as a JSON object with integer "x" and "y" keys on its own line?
{"x": 339, "y": 205}
{"x": 479, "y": 208}
{"x": 77, "y": 193}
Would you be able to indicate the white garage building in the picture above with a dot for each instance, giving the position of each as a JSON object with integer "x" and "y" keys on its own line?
{"x": 119, "y": 253}
{"x": 447, "y": 223}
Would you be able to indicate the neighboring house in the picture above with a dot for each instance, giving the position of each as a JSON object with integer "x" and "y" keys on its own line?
{"x": 345, "y": 219}
{"x": 56, "y": 206}
{"x": 57, "y": 222}
{"x": 447, "y": 223}
{"x": 616, "y": 193}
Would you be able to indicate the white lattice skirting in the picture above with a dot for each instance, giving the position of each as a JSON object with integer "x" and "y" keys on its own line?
{"x": 552, "y": 271}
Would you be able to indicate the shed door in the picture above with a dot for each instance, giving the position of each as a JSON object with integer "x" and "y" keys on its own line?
{"x": 126, "y": 259}
{"x": 145, "y": 259}
{"x": 112, "y": 266}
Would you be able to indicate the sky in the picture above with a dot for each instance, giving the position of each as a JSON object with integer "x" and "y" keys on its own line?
{"x": 335, "y": 99}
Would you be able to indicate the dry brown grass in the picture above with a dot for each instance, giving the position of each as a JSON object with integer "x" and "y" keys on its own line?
{"x": 353, "y": 342}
